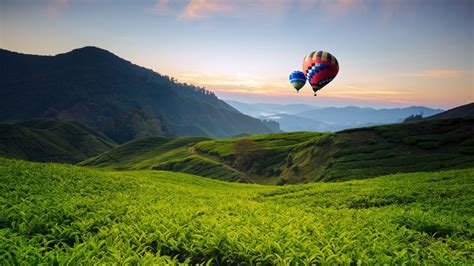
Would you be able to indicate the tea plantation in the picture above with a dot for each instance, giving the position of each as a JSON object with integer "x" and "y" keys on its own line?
{"x": 52, "y": 213}
{"x": 302, "y": 157}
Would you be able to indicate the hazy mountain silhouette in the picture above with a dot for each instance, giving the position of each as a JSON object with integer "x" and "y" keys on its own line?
{"x": 114, "y": 96}
{"x": 303, "y": 117}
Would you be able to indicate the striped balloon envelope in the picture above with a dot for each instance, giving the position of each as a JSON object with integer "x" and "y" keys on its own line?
{"x": 297, "y": 79}
{"x": 320, "y": 68}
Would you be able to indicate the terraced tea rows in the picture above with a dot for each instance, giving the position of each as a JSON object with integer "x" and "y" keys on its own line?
{"x": 52, "y": 213}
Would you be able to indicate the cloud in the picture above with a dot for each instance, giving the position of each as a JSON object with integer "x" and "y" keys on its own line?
{"x": 55, "y": 6}
{"x": 161, "y": 5}
{"x": 241, "y": 81}
{"x": 334, "y": 6}
{"x": 437, "y": 73}
{"x": 198, "y": 9}
{"x": 201, "y": 9}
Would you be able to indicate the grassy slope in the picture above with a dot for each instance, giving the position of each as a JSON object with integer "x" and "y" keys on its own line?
{"x": 460, "y": 111}
{"x": 68, "y": 214}
{"x": 161, "y": 153}
{"x": 307, "y": 156}
{"x": 51, "y": 140}
{"x": 358, "y": 153}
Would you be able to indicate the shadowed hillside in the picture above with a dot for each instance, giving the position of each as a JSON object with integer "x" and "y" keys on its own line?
{"x": 466, "y": 110}
{"x": 297, "y": 157}
{"x": 50, "y": 140}
{"x": 122, "y": 100}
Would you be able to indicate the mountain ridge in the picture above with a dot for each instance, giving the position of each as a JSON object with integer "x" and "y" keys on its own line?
{"x": 113, "y": 95}
{"x": 291, "y": 116}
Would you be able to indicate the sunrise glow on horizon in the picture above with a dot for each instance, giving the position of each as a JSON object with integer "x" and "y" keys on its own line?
{"x": 391, "y": 53}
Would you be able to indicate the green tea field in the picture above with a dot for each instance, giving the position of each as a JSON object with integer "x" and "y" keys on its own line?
{"x": 302, "y": 157}
{"x": 60, "y": 214}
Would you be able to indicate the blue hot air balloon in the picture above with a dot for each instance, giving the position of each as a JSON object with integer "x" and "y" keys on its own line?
{"x": 297, "y": 79}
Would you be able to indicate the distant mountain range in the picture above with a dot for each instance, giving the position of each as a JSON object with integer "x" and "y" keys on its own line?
{"x": 122, "y": 100}
{"x": 302, "y": 117}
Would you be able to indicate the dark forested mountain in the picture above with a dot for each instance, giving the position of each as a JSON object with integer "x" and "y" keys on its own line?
{"x": 114, "y": 96}
{"x": 51, "y": 140}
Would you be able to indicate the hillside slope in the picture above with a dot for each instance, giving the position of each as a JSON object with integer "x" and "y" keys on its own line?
{"x": 114, "y": 96}
{"x": 297, "y": 157}
{"x": 161, "y": 153}
{"x": 59, "y": 214}
{"x": 466, "y": 110}
{"x": 51, "y": 140}
{"x": 356, "y": 153}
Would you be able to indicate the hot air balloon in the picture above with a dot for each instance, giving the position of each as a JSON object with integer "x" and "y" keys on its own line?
{"x": 320, "y": 68}
{"x": 297, "y": 79}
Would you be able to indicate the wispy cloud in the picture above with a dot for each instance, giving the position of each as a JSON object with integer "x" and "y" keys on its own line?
{"x": 436, "y": 73}
{"x": 55, "y": 6}
{"x": 335, "y": 6}
{"x": 161, "y": 5}
{"x": 198, "y": 9}
{"x": 201, "y": 9}
{"x": 241, "y": 81}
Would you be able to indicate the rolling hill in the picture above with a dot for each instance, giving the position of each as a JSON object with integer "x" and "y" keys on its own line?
{"x": 51, "y": 140}
{"x": 122, "y": 100}
{"x": 160, "y": 153}
{"x": 62, "y": 214}
{"x": 466, "y": 110}
{"x": 297, "y": 157}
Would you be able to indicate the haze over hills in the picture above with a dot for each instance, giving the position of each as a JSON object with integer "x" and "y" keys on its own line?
{"x": 122, "y": 100}
{"x": 303, "y": 117}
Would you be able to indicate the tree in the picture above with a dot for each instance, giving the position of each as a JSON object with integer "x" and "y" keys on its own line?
{"x": 247, "y": 151}
{"x": 413, "y": 118}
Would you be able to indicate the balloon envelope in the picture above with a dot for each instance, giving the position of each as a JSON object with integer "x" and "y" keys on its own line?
{"x": 297, "y": 79}
{"x": 320, "y": 68}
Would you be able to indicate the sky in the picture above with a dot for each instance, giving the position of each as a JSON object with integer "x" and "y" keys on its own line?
{"x": 392, "y": 53}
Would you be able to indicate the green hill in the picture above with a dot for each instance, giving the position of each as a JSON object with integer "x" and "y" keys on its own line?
{"x": 51, "y": 140}
{"x": 356, "y": 153}
{"x": 60, "y": 214}
{"x": 162, "y": 153}
{"x": 298, "y": 157}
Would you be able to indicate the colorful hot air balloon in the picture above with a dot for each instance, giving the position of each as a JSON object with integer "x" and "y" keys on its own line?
{"x": 320, "y": 68}
{"x": 297, "y": 79}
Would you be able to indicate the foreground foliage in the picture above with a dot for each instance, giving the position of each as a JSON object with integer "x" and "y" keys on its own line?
{"x": 56, "y": 213}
